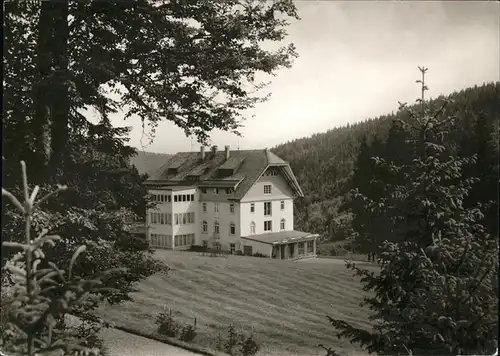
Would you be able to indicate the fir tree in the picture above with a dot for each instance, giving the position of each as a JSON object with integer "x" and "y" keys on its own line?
{"x": 436, "y": 292}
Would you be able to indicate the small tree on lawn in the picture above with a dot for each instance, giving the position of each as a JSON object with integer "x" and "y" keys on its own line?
{"x": 437, "y": 291}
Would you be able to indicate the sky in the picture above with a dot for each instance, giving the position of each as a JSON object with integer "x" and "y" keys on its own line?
{"x": 357, "y": 59}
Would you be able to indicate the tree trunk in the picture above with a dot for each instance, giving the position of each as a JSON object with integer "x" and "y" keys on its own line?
{"x": 51, "y": 91}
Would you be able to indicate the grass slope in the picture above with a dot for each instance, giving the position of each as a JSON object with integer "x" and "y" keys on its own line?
{"x": 283, "y": 302}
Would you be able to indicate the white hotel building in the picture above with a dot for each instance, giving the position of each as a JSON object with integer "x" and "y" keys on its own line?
{"x": 241, "y": 199}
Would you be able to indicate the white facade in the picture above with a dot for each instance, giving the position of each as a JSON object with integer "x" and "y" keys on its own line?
{"x": 173, "y": 223}
{"x": 211, "y": 208}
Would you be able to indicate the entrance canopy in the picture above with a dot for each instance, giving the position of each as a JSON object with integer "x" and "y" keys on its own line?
{"x": 282, "y": 237}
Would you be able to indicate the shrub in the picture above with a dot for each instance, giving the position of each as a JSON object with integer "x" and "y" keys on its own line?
{"x": 258, "y": 254}
{"x": 188, "y": 332}
{"x": 249, "y": 346}
{"x": 39, "y": 294}
{"x": 231, "y": 340}
{"x": 198, "y": 248}
{"x": 166, "y": 323}
{"x": 236, "y": 342}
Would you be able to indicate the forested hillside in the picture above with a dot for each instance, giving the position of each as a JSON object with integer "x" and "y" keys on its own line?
{"x": 149, "y": 162}
{"x": 324, "y": 163}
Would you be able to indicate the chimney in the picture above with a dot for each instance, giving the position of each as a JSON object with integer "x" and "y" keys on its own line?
{"x": 227, "y": 152}
{"x": 214, "y": 150}
{"x": 202, "y": 151}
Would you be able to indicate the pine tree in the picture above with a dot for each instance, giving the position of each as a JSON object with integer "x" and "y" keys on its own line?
{"x": 436, "y": 292}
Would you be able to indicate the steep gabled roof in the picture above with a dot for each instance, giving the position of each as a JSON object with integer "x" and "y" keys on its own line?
{"x": 246, "y": 165}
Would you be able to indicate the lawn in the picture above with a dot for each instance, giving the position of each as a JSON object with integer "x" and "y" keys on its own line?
{"x": 285, "y": 303}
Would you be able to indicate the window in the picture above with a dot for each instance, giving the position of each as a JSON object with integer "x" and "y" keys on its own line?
{"x": 176, "y": 219}
{"x": 216, "y": 207}
{"x": 192, "y": 197}
{"x": 204, "y": 227}
{"x": 232, "y": 248}
{"x": 301, "y": 248}
{"x": 216, "y": 190}
{"x": 282, "y": 224}
{"x": 267, "y": 189}
{"x": 268, "y": 225}
{"x": 162, "y": 218}
{"x": 188, "y": 218}
{"x": 231, "y": 208}
{"x": 184, "y": 197}
{"x": 205, "y": 243}
{"x": 216, "y": 227}
{"x": 282, "y": 205}
{"x": 204, "y": 190}
{"x": 274, "y": 173}
{"x": 204, "y": 206}
{"x": 161, "y": 198}
{"x": 267, "y": 208}
{"x": 252, "y": 227}
{"x": 184, "y": 219}
{"x": 169, "y": 198}
{"x": 177, "y": 240}
{"x": 229, "y": 190}
{"x": 232, "y": 229}
{"x": 310, "y": 246}
{"x": 192, "y": 217}
{"x": 252, "y": 207}
{"x": 188, "y": 197}
{"x": 175, "y": 198}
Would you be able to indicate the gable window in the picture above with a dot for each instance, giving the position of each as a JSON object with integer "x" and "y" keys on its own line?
{"x": 267, "y": 208}
{"x": 282, "y": 224}
{"x": 268, "y": 225}
{"x": 252, "y": 227}
{"x": 216, "y": 207}
{"x": 216, "y": 227}
{"x": 252, "y": 207}
{"x": 267, "y": 189}
{"x": 204, "y": 206}
{"x": 282, "y": 205}
{"x": 204, "y": 227}
{"x": 274, "y": 173}
{"x": 231, "y": 208}
{"x": 232, "y": 229}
